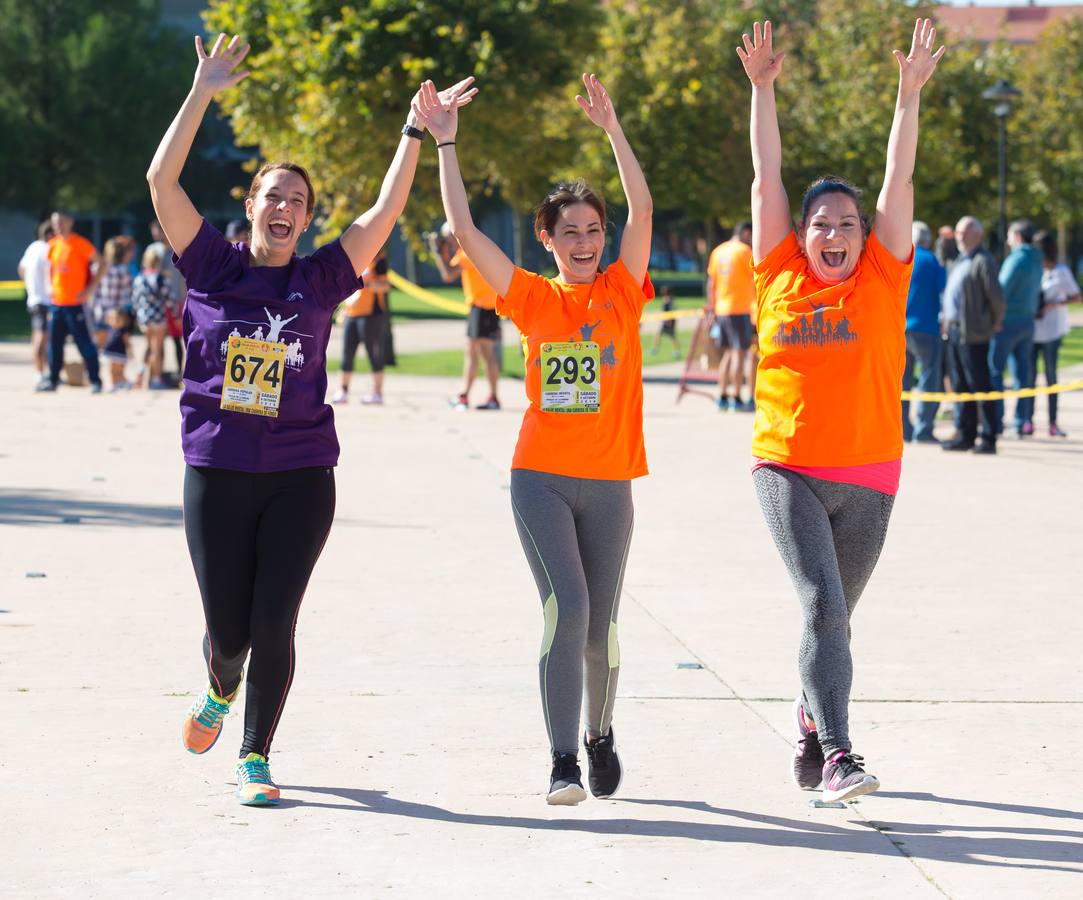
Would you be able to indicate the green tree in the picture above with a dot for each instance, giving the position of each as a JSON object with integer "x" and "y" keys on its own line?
{"x": 682, "y": 100}
{"x": 331, "y": 84}
{"x": 85, "y": 92}
{"x": 1046, "y": 129}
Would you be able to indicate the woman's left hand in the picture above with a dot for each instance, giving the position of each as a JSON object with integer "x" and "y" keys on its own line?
{"x": 918, "y": 67}
{"x": 597, "y": 105}
{"x": 439, "y": 111}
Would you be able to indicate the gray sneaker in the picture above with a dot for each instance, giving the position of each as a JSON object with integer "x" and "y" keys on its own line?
{"x": 845, "y": 778}
{"x": 566, "y": 781}
{"x": 808, "y": 758}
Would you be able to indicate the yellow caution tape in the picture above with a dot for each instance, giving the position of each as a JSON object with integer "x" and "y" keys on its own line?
{"x": 994, "y": 395}
{"x": 419, "y": 293}
{"x": 10, "y": 285}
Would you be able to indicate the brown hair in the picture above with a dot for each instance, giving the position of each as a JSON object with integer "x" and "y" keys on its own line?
{"x": 1047, "y": 243}
{"x": 565, "y": 194}
{"x": 832, "y": 184}
{"x": 116, "y": 248}
{"x": 45, "y": 230}
{"x": 257, "y": 179}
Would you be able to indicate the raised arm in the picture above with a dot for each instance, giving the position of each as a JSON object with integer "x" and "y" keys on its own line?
{"x": 369, "y": 232}
{"x": 771, "y": 221}
{"x": 442, "y": 120}
{"x": 895, "y": 205}
{"x": 635, "y": 243}
{"x": 214, "y": 73}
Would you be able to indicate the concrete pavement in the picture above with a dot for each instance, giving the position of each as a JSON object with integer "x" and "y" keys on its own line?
{"x": 412, "y": 754}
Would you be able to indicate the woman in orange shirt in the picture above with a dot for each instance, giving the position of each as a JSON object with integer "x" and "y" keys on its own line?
{"x": 581, "y": 441}
{"x": 827, "y": 437}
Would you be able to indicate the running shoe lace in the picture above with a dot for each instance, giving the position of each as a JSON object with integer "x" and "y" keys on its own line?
{"x": 209, "y": 712}
{"x": 849, "y": 764}
{"x": 599, "y": 752}
{"x": 254, "y": 770}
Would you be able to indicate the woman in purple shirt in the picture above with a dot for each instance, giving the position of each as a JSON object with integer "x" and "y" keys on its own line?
{"x": 258, "y": 439}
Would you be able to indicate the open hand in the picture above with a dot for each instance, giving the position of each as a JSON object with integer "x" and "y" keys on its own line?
{"x": 762, "y": 64}
{"x": 438, "y": 111}
{"x": 918, "y": 67}
{"x": 597, "y": 105}
{"x": 214, "y": 71}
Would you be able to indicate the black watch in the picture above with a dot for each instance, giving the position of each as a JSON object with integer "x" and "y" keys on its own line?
{"x": 410, "y": 131}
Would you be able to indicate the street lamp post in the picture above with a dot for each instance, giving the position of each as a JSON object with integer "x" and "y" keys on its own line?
{"x": 1001, "y": 95}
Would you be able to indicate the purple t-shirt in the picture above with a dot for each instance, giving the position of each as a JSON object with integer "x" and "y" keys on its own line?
{"x": 291, "y": 304}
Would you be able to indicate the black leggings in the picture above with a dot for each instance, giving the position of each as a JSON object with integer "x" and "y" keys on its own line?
{"x": 254, "y": 540}
{"x": 368, "y": 330}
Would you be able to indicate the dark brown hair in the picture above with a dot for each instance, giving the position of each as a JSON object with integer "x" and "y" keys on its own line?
{"x": 1047, "y": 243}
{"x": 257, "y": 179}
{"x": 563, "y": 195}
{"x": 116, "y": 248}
{"x": 45, "y": 230}
{"x": 833, "y": 184}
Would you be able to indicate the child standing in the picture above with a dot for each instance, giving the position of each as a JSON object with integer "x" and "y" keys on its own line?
{"x": 115, "y": 348}
{"x": 152, "y": 295}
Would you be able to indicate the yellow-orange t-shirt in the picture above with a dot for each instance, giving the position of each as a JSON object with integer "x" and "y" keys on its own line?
{"x": 831, "y": 359}
{"x": 730, "y": 266}
{"x": 69, "y": 266}
{"x": 476, "y": 289}
{"x": 364, "y": 301}
{"x": 608, "y": 444}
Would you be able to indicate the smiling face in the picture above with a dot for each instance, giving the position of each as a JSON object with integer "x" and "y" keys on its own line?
{"x": 278, "y": 213}
{"x": 832, "y": 237}
{"x": 576, "y": 242}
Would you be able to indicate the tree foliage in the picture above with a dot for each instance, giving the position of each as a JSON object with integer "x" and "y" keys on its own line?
{"x": 86, "y": 91}
{"x": 331, "y": 84}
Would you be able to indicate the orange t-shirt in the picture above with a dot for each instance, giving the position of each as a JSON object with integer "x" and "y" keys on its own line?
{"x": 608, "y": 444}
{"x": 476, "y": 289}
{"x": 69, "y": 264}
{"x": 831, "y": 359}
{"x": 364, "y": 301}
{"x": 734, "y": 289}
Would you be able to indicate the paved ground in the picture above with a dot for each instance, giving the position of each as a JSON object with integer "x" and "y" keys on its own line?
{"x": 412, "y": 755}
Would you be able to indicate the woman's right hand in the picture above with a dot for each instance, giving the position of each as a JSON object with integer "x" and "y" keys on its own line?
{"x": 214, "y": 71}
{"x": 762, "y": 64}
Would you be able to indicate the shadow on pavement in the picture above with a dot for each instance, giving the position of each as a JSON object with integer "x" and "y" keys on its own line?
{"x": 46, "y": 507}
{"x": 775, "y": 831}
{"x": 930, "y": 842}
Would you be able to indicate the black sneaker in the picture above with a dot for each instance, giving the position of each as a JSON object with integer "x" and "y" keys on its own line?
{"x": 566, "y": 782}
{"x": 604, "y": 772}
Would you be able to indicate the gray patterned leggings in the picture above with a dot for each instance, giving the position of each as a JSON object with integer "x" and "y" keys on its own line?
{"x": 830, "y": 536}
{"x": 576, "y": 533}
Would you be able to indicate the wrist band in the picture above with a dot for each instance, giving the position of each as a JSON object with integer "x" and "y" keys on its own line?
{"x": 445, "y": 144}
{"x": 412, "y": 132}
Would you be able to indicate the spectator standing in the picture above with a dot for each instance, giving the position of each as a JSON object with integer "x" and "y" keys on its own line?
{"x": 152, "y": 296}
{"x": 34, "y": 271}
{"x": 947, "y": 251}
{"x": 1021, "y": 284}
{"x": 668, "y": 326}
{"x": 923, "y": 344}
{"x": 115, "y": 289}
{"x": 365, "y": 319}
{"x": 75, "y": 270}
{"x": 115, "y": 348}
{"x": 239, "y": 232}
{"x": 731, "y": 287}
{"x": 482, "y": 322}
{"x": 179, "y": 289}
{"x": 973, "y": 311}
{"x": 1059, "y": 289}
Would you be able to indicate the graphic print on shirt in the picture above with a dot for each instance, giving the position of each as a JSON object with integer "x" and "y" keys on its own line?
{"x": 815, "y": 330}
{"x": 276, "y": 327}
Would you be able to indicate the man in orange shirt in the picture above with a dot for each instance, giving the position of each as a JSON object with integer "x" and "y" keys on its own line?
{"x": 482, "y": 325}
{"x": 731, "y": 289}
{"x": 75, "y": 270}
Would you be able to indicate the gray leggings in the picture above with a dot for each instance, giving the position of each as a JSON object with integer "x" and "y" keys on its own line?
{"x": 829, "y": 536}
{"x": 576, "y": 533}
